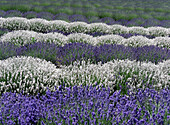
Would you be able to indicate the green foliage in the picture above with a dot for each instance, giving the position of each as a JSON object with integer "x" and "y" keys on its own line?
{"x": 138, "y": 8}
{"x": 118, "y": 16}
{"x": 132, "y": 16}
{"x": 159, "y": 10}
{"x": 3, "y": 2}
{"x": 90, "y": 13}
{"x": 78, "y": 12}
{"x": 97, "y": 5}
{"x": 87, "y": 5}
{"x": 45, "y": 4}
{"x": 66, "y": 4}
{"x": 36, "y": 3}
{"x": 108, "y": 7}
{"x": 106, "y": 14}
{"x": 67, "y": 11}
{"x": 148, "y": 9}
{"x": 119, "y": 7}
{"x": 22, "y": 8}
{"x": 146, "y": 16}
{"x": 75, "y": 5}
{"x": 37, "y": 9}
{"x": 163, "y": 18}
{"x": 51, "y": 10}
{"x": 57, "y": 4}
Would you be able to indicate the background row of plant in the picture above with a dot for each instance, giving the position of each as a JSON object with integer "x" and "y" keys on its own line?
{"x": 136, "y": 21}
{"x": 115, "y": 9}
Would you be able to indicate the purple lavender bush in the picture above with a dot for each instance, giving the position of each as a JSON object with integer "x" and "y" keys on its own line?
{"x": 77, "y": 51}
{"x": 93, "y": 19}
{"x": 86, "y": 105}
{"x": 30, "y": 14}
{"x": 45, "y": 15}
{"x": 165, "y": 23}
{"x": 13, "y": 13}
{"x": 77, "y": 17}
{"x": 7, "y": 50}
{"x": 151, "y": 22}
{"x": 43, "y": 50}
{"x": 108, "y": 20}
{"x": 2, "y": 13}
{"x": 61, "y": 16}
{"x": 3, "y": 31}
{"x": 136, "y": 22}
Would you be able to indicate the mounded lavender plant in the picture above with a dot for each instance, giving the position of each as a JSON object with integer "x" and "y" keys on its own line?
{"x": 3, "y": 31}
{"x": 45, "y": 15}
{"x": 77, "y": 17}
{"x": 30, "y": 14}
{"x": 42, "y": 50}
{"x": 136, "y": 21}
{"x": 2, "y": 13}
{"x": 61, "y": 16}
{"x": 123, "y": 22}
{"x": 108, "y": 20}
{"x": 93, "y": 19}
{"x": 13, "y": 13}
{"x": 7, "y": 50}
{"x": 165, "y": 23}
{"x": 151, "y": 22}
{"x": 27, "y": 74}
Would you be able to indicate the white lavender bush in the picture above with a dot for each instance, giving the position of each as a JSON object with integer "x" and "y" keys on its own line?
{"x": 23, "y": 37}
{"x": 136, "y": 41}
{"x": 27, "y": 74}
{"x": 33, "y": 75}
{"x": 117, "y": 72}
{"x": 42, "y": 25}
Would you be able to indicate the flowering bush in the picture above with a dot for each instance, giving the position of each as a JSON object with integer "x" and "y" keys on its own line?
{"x": 27, "y": 74}
{"x": 86, "y": 105}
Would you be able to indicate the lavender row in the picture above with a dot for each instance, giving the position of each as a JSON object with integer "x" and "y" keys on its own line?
{"x": 42, "y": 25}
{"x": 65, "y": 55}
{"x": 113, "y": 9}
{"x": 86, "y": 105}
{"x": 23, "y": 37}
{"x": 93, "y": 19}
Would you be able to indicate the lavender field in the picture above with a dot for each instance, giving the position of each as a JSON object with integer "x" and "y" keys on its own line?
{"x": 62, "y": 66}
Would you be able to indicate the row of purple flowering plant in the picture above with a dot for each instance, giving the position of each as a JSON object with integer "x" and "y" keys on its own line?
{"x": 86, "y": 105}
